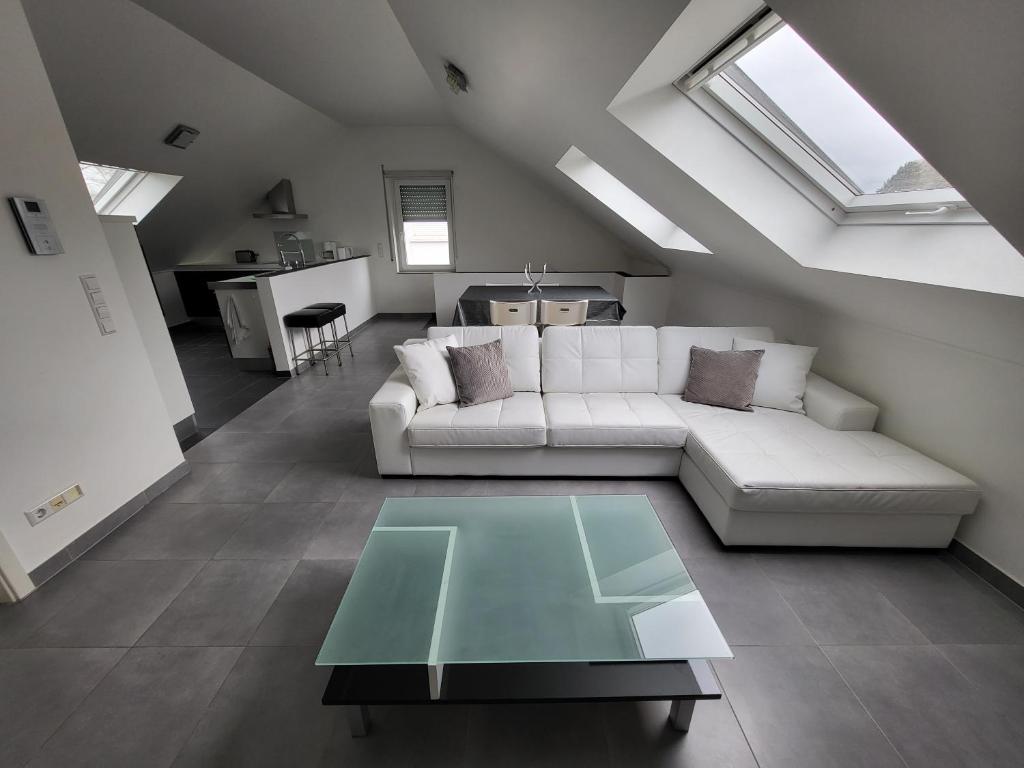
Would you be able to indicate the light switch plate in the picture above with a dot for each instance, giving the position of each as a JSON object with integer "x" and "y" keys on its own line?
{"x": 98, "y": 303}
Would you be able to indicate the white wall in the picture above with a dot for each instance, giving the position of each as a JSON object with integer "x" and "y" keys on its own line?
{"x": 503, "y": 215}
{"x": 77, "y": 407}
{"x": 346, "y": 281}
{"x": 957, "y": 401}
{"x": 138, "y": 286}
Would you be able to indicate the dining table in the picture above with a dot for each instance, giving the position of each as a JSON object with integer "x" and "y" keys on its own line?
{"x": 474, "y": 305}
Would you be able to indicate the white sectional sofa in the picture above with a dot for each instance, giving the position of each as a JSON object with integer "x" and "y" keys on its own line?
{"x": 606, "y": 401}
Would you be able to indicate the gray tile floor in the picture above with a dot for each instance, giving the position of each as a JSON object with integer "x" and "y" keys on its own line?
{"x": 187, "y": 637}
{"x": 219, "y": 391}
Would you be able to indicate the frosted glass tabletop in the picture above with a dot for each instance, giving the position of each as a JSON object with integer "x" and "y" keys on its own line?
{"x": 520, "y": 579}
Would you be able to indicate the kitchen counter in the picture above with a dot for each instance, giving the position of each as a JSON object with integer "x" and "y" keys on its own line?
{"x": 225, "y": 267}
{"x": 248, "y": 282}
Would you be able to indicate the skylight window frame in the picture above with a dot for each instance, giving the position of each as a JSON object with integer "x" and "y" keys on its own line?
{"x": 824, "y": 174}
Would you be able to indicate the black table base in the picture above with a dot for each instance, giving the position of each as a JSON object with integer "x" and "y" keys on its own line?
{"x": 682, "y": 683}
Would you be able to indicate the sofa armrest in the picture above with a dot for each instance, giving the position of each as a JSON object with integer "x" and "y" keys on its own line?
{"x": 832, "y": 406}
{"x": 391, "y": 410}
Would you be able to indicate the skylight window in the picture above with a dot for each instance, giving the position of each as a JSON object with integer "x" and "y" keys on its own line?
{"x": 626, "y": 203}
{"x": 124, "y": 192}
{"x": 780, "y": 87}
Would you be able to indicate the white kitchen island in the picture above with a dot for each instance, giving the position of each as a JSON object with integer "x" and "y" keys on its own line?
{"x": 253, "y": 308}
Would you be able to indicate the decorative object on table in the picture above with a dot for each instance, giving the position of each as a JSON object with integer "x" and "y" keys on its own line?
{"x": 725, "y": 379}
{"x": 456, "y": 78}
{"x": 481, "y": 373}
{"x": 535, "y": 283}
{"x": 782, "y": 378}
{"x": 426, "y": 364}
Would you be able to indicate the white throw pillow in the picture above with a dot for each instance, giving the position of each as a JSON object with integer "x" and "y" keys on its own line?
{"x": 782, "y": 379}
{"x": 426, "y": 364}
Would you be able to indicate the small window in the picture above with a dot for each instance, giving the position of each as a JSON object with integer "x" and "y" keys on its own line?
{"x": 108, "y": 184}
{"x": 420, "y": 214}
{"x": 124, "y": 192}
{"x": 781, "y": 88}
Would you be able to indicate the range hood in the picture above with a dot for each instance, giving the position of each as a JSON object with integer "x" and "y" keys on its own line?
{"x": 282, "y": 203}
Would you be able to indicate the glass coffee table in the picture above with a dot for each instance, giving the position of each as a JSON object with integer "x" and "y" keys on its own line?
{"x": 520, "y": 599}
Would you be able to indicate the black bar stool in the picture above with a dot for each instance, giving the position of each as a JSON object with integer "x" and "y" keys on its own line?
{"x": 339, "y": 310}
{"x": 317, "y": 316}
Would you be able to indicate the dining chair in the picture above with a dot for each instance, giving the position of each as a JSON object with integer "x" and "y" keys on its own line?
{"x": 563, "y": 312}
{"x": 513, "y": 312}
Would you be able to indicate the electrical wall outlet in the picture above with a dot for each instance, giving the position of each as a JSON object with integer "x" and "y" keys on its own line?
{"x": 54, "y": 505}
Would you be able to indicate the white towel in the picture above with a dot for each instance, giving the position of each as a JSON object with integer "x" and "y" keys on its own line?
{"x": 237, "y": 330}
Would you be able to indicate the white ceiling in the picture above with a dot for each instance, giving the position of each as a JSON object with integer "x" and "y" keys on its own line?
{"x": 349, "y": 59}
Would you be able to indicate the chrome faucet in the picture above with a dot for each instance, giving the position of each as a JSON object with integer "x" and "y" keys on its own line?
{"x": 285, "y": 254}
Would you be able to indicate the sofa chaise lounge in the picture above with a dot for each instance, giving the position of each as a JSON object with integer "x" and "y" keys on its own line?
{"x": 607, "y": 401}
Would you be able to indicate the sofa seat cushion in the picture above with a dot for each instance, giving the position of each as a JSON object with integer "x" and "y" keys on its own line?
{"x": 516, "y": 421}
{"x": 612, "y": 419}
{"x": 772, "y": 460}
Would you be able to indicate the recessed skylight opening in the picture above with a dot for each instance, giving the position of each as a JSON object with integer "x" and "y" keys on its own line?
{"x": 788, "y": 94}
{"x": 626, "y": 203}
{"x": 125, "y": 192}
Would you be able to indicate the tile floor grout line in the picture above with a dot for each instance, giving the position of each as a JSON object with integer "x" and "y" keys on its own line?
{"x": 736, "y": 717}
{"x": 864, "y": 707}
{"x": 782, "y": 597}
{"x": 115, "y": 665}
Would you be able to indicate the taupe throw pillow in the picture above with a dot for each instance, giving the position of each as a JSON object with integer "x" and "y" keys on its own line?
{"x": 481, "y": 374}
{"x": 725, "y": 379}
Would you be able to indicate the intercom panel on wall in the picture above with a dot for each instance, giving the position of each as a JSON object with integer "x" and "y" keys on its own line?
{"x": 36, "y": 226}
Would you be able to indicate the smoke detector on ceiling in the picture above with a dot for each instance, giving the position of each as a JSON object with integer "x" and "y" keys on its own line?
{"x": 181, "y": 136}
{"x": 456, "y": 78}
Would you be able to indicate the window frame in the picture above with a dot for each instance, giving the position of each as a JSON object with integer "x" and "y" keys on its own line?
{"x": 393, "y": 204}
{"x": 821, "y": 172}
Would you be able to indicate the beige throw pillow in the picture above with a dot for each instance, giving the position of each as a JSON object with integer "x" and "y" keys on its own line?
{"x": 783, "y": 376}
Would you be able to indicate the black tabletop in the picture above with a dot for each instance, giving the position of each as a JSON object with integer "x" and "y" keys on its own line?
{"x": 474, "y": 308}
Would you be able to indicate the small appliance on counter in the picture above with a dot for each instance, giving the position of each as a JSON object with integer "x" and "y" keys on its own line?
{"x": 331, "y": 251}
{"x": 246, "y": 257}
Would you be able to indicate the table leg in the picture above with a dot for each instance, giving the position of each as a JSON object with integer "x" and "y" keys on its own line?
{"x": 358, "y": 719}
{"x": 680, "y": 713}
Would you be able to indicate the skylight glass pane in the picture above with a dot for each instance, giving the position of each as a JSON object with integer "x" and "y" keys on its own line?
{"x": 807, "y": 97}
{"x": 97, "y": 177}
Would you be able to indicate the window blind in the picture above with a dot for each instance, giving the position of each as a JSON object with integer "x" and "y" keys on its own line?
{"x": 423, "y": 202}
{"x": 753, "y": 31}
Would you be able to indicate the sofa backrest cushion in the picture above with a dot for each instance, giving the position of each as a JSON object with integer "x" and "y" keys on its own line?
{"x": 674, "y": 344}
{"x": 600, "y": 359}
{"x": 520, "y": 343}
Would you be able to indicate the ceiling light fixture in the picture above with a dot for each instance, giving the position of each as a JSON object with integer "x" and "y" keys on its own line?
{"x": 456, "y": 78}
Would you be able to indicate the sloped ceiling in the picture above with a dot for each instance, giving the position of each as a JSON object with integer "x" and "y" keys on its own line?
{"x": 349, "y": 59}
{"x": 124, "y": 78}
{"x": 541, "y": 78}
